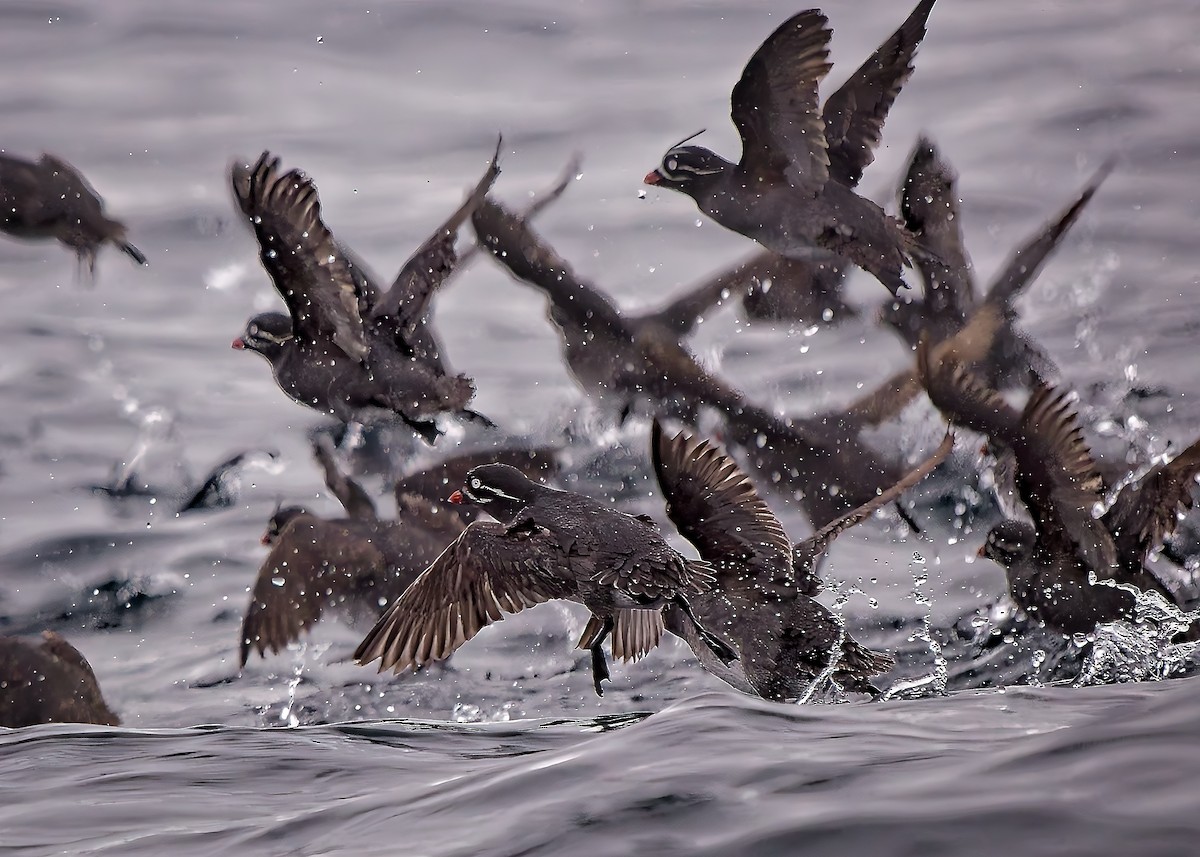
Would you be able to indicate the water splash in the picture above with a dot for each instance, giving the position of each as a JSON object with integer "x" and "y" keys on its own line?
{"x": 466, "y": 712}
{"x": 824, "y": 680}
{"x": 1144, "y": 650}
{"x": 288, "y": 714}
{"x": 933, "y": 684}
{"x": 155, "y": 427}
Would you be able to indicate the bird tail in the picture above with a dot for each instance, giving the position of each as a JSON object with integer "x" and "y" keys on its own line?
{"x": 114, "y": 231}
{"x": 133, "y": 252}
{"x": 635, "y": 633}
{"x": 857, "y": 666}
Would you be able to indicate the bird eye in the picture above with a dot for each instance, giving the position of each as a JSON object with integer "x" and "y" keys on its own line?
{"x": 253, "y": 330}
{"x": 672, "y": 165}
{"x": 475, "y": 483}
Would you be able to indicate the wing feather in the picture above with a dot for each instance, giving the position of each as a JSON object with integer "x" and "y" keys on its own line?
{"x": 310, "y": 271}
{"x": 807, "y": 552}
{"x": 714, "y": 504}
{"x": 855, "y": 113}
{"x": 775, "y": 109}
{"x": 486, "y": 572}
{"x": 407, "y": 301}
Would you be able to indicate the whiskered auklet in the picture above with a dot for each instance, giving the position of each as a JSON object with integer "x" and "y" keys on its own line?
{"x": 359, "y": 563}
{"x": 783, "y": 192}
{"x": 763, "y": 597}
{"x": 781, "y": 289}
{"x": 929, "y": 205}
{"x": 820, "y": 461}
{"x": 548, "y": 544}
{"x": 1047, "y": 563}
{"x": 345, "y": 348}
{"x": 49, "y": 198}
{"x": 50, "y": 682}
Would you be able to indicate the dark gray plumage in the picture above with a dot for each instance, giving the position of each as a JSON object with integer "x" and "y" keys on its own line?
{"x": 345, "y": 347}
{"x": 792, "y": 188}
{"x": 50, "y": 682}
{"x": 549, "y": 544}
{"x": 929, "y": 205}
{"x": 1047, "y": 562}
{"x": 622, "y": 362}
{"x": 359, "y": 563}
{"x": 49, "y": 198}
{"x": 762, "y": 600}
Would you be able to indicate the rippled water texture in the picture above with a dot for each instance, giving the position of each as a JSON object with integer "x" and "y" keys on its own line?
{"x": 394, "y": 111}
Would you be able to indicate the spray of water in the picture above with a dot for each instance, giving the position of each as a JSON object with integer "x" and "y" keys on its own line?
{"x": 1142, "y": 650}
{"x": 933, "y": 684}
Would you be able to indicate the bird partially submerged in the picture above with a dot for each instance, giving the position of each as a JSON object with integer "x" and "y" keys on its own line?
{"x": 48, "y": 682}
{"x": 1051, "y": 561}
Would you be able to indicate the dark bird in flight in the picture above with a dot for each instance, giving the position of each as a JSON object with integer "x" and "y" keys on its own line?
{"x": 789, "y": 190}
{"x": 345, "y": 348}
{"x": 49, "y": 198}
{"x": 547, "y": 544}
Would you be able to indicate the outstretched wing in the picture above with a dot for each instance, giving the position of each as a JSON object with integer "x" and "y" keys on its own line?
{"x": 485, "y": 573}
{"x": 774, "y": 106}
{"x": 298, "y": 251}
{"x": 1028, "y": 259}
{"x": 407, "y": 301}
{"x": 1055, "y": 474}
{"x": 962, "y": 397}
{"x": 528, "y": 257}
{"x": 854, "y": 115}
{"x": 313, "y": 563}
{"x": 807, "y": 552}
{"x": 1057, "y": 479}
{"x": 1143, "y": 515}
{"x": 929, "y": 207}
{"x": 715, "y": 506}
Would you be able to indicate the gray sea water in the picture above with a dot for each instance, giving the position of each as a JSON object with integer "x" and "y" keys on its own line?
{"x": 394, "y": 108}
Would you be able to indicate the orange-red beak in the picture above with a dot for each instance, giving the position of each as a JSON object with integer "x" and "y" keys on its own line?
{"x": 653, "y": 177}
{"x": 266, "y": 539}
{"x": 456, "y": 498}
{"x": 239, "y": 344}
{"x": 982, "y": 552}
